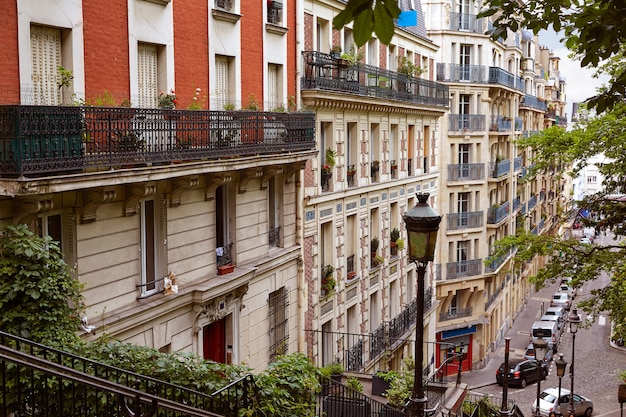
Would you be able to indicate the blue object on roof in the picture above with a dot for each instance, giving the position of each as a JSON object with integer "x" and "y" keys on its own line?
{"x": 407, "y": 18}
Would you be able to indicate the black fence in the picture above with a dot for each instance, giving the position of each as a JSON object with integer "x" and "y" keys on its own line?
{"x": 53, "y": 140}
{"x": 325, "y": 72}
{"x": 39, "y": 381}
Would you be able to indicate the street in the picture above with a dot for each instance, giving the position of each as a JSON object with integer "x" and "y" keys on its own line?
{"x": 597, "y": 363}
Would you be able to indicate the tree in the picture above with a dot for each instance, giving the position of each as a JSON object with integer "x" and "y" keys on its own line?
{"x": 592, "y": 30}
{"x": 569, "y": 257}
{"x": 39, "y": 297}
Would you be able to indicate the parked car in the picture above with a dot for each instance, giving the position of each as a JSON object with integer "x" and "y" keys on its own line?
{"x": 586, "y": 240}
{"x": 557, "y": 311}
{"x": 548, "y": 331}
{"x": 547, "y": 402}
{"x": 521, "y": 372}
{"x": 567, "y": 289}
{"x": 554, "y": 319}
{"x": 561, "y": 299}
{"x": 530, "y": 354}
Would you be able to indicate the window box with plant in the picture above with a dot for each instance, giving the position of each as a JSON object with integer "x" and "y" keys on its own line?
{"x": 335, "y": 52}
{"x": 375, "y": 166}
{"x": 395, "y": 242}
{"x": 327, "y": 168}
{"x": 328, "y": 280}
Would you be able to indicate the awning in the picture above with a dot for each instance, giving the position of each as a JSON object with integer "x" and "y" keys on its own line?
{"x": 466, "y": 324}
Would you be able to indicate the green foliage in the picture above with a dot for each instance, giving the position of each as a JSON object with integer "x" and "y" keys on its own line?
{"x": 65, "y": 77}
{"x": 369, "y": 16}
{"x": 334, "y": 368}
{"x": 395, "y": 234}
{"x": 400, "y": 243}
{"x": 405, "y": 66}
{"x": 354, "y": 55}
{"x": 287, "y": 388}
{"x": 401, "y": 384}
{"x": 330, "y": 156}
{"x": 374, "y": 244}
{"x": 39, "y": 297}
{"x": 252, "y": 103}
{"x": 621, "y": 376}
{"x": 354, "y": 383}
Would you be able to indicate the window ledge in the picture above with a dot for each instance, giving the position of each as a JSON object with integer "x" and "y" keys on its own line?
{"x": 276, "y": 29}
{"x": 225, "y": 16}
{"x": 160, "y": 2}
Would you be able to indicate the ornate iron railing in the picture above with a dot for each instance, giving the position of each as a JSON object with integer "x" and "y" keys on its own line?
{"x": 470, "y": 122}
{"x": 464, "y": 268}
{"x": 496, "y": 214}
{"x": 460, "y": 312}
{"x": 46, "y": 382}
{"x": 478, "y": 74}
{"x": 36, "y": 140}
{"x": 465, "y": 220}
{"x": 324, "y": 72}
{"x": 499, "y": 169}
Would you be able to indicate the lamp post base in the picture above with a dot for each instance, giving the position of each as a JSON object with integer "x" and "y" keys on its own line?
{"x": 416, "y": 407}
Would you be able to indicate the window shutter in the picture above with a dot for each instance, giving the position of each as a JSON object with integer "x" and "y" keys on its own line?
{"x": 221, "y": 82}
{"x": 272, "y": 86}
{"x": 147, "y": 77}
{"x": 45, "y": 58}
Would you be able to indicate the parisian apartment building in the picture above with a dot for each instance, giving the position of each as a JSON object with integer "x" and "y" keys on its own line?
{"x": 229, "y": 178}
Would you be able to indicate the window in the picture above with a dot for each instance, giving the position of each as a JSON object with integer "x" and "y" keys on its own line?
{"x": 465, "y": 61}
{"x": 274, "y": 85}
{"x": 464, "y": 158}
{"x": 274, "y": 212}
{"x": 224, "y": 5}
{"x": 453, "y": 306}
{"x": 147, "y": 77}
{"x": 464, "y": 110}
{"x": 223, "y": 95}
{"x": 463, "y": 208}
{"x": 45, "y": 49}
{"x": 275, "y": 12}
{"x": 223, "y": 215}
{"x": 464, "y": 17}
{"x": 591, "y": 179}
{"x": 152, "y": 221}
{"x": 323, "y": 33}
{"x": 278, "y": 323}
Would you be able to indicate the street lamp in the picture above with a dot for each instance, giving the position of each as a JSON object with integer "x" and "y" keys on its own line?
{"x": 540, "y": 347}
{"x": 574, "y": 321}
{"x": 561, "y": 364}
{"x": 422, "y": 224}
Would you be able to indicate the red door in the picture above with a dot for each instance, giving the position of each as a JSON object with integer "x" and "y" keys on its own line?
{"x": 214, "y": 341}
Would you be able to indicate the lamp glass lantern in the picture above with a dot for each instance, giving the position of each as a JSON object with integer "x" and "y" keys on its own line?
{"x": 561, "y": 364}
{"x": 574, "y": 320}
{"x": 422, "y": 225}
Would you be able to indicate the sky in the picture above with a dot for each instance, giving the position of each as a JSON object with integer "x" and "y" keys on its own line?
{"x": 580, "y": 83}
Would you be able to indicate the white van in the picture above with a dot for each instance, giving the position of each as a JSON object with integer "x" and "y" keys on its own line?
{"x": 546, "y": 330}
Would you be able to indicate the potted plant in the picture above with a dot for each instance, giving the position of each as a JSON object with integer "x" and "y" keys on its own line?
{"x": 328, "y": 280}
{"x": 394, "y": 235}
{"x": 327, "y": 167}
{"x": 333, "y": 371}
{"x": 377, "y": 261}
{"x": 335, "y": 51}
{"x": 400, "y": 244}
{"x": 381, "y": 381}
{"x": 375, "y": 166}
{"x": 374, "y": 246}
{"x": 354, "y": 56}
{"x": 351, "y": 275}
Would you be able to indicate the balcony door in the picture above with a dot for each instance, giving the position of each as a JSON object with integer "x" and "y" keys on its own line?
{"x": 462, "y": 209}
{"x": 465, "y": 62}
{"x": 464, "y": 160}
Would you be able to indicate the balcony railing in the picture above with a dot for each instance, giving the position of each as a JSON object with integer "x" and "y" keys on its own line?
{"x": 495, "y": 263}
{"x": 516, "y": 204}
{"x": 37, "y": 140}
{"x": 471, "y": 122}
{"x": 500, "y": 124}
{"x": 323, "y": 72}
{"x": 466, "y": 22}
{"x": 464, "y": 268}
{"x": 478, "y": 74}
{"x": 498, "y": 213}
{"x": 455, "y": 314}
{"x": 499, "y": 169}
{"x": 532, "y": 202}
{"x": 533, "y": 102}
{"x": 466, "y": 220}
{"x": 466, "y": 172}
{"x": 517, "y": 163}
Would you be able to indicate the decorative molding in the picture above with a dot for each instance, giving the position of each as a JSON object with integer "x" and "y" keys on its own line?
{"x": 247, "y": 176}
{"x": 179, "y": 186}
{"x": 219, "y": 307}
{"x": 225, "y": 16}
{"x": 293, "y": 169}
{"x": 270, "y": 173}
{"x": 27, "y": 210}
{"x": 213, "y": 183}
{"x": 92, "y": 200}
{"x": 137, "y": 192}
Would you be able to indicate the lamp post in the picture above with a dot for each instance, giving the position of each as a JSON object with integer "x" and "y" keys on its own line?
{"x": 561, "y": 364}
{"x": 574, "y": 321}
{"x": 422, "y": 225}
{"x": 540, "y": 347}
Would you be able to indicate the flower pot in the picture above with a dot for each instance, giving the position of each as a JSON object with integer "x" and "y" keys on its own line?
{"x": 225, "y": 269}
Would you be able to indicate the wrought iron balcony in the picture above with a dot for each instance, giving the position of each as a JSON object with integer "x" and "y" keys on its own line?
{"x": 532, "y": 202}
{"x": 466, "y": 172}
{"x": 480, "y": 74}
{"x": 37, "y": 140}
{"x": 498, "y": 213}
{"x": 323, "y": 72}
{"x": 495, "y": 263}
{"x": 465, "y": 220}
{"x": 517, "y": 163}
{"x": 499, "y": 169}
{"x": 464, "y": 268}
{"x": 469, "y": 122}
{"x": 454, "y": 314}
{"x": 500, "y": 124}
{"x": 533, "y": 102}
